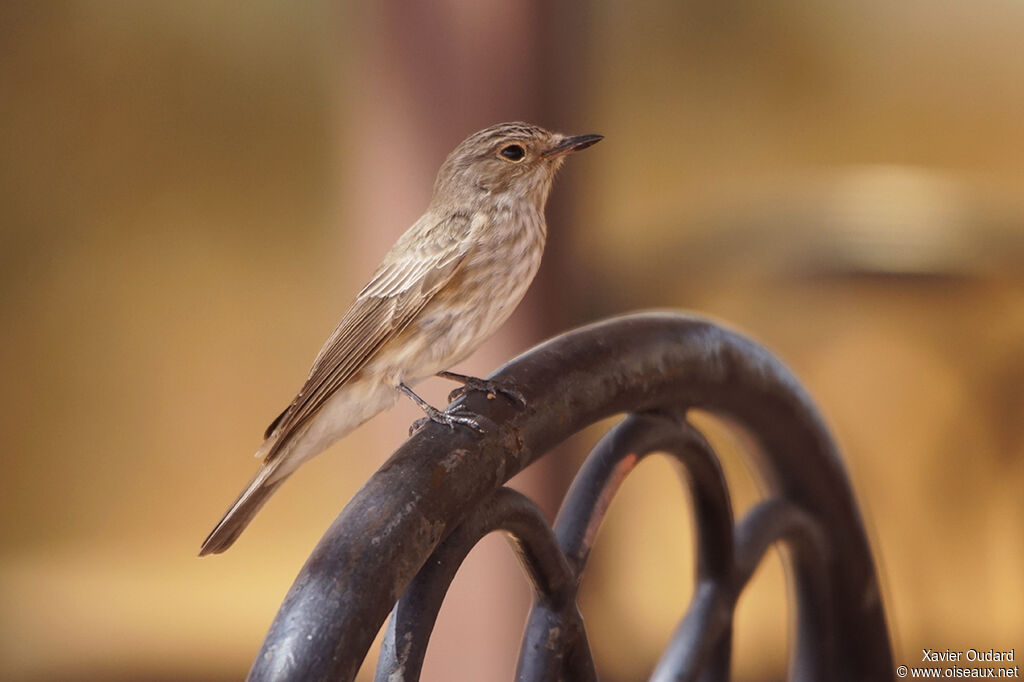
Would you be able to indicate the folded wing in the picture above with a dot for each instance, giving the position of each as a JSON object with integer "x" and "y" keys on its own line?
{"x": 416, "y": 268}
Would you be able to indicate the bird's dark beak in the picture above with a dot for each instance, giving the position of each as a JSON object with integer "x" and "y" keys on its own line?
{"x": 572, "y": 144}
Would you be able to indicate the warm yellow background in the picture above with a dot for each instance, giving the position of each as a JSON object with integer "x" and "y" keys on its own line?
{"x": 182, "y": 197}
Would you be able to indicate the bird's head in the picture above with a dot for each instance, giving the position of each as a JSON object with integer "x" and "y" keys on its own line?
{"x": 507, "y": 162}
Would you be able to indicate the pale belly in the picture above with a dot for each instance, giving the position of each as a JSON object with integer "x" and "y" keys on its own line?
{"x": 471, "y": 307}
{"x": 464, "y": 314}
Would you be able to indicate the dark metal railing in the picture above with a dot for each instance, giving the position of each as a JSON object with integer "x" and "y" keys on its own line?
{"x": 397, "y": 545}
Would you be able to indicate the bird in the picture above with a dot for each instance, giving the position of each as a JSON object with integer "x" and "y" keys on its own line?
{"x": 445, "y": 286}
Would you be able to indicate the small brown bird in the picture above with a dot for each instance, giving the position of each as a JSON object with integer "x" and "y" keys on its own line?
{"x": 446, "y": 285}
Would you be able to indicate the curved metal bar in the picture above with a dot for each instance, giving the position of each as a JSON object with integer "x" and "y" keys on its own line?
{"x": 413, "y": 618}
{"x": 709, "y": 616}
{"x": 780, "y": 520}
{"x": 600, "y": 477}
{"x": 644, "y": 362}
{"x": 701, "y": 646}
{"x": 615, "y": 456}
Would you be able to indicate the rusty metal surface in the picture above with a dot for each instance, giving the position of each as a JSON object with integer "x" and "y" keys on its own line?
{"x": 561, "y": 631}
{"x": 584, "y": 507}
{"x": 657, "y": 363}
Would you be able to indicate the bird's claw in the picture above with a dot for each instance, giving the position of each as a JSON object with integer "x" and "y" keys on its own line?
{"x": 448, "y": 417}
{"x": 491, "y": 387}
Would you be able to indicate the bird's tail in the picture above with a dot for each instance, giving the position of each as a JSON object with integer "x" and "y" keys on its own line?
{"x": 244, "y": 509}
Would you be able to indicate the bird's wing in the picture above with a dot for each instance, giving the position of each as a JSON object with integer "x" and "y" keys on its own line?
{"x": 415, "y": 269}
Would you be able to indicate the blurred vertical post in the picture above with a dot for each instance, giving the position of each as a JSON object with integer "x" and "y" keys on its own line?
{"x": 424, "y": 76}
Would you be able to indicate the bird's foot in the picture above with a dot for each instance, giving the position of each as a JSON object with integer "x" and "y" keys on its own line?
{"x": 448, "y": 417}
{"x": 492, "y": 387}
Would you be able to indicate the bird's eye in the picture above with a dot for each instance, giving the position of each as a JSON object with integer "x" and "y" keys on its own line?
{"x": 513, "y": 152}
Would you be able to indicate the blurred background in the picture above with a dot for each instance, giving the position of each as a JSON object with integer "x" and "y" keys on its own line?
{"x": 192, "y": 192}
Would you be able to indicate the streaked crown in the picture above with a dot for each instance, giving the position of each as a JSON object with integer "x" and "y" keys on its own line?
{"x": 514, "y": 161}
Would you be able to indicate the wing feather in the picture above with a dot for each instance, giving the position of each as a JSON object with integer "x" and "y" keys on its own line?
{"x": 415, "y": 269}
